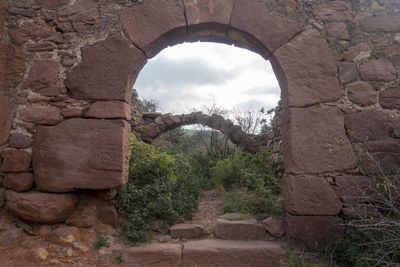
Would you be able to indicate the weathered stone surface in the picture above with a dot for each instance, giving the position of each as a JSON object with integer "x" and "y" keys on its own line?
{"x": 396, "y": 128}
{"x": 63, "y": 235}
{"x": 235, "y": 216}
{"x": 30, "y": 31}
{"x": 239, "y": 230}
{"x": 157, "y": 255}
{"x": 200, "y": 14}
{"x": 251, "y": 17}
{"x": 19, "y": 140}
{"x": 378, "y": 70}
{"x": 393, "y": 51}
{"x": 10, "y": 235}
{"x": 357, "y": 52}
{"x": 41, "y": 207}
{"x": 43, "y": 115}
{"x": 385, "y": 23}
{"x": 367, "y": 125}
{"x": 109, "y": 110}
{"x": 81, "y": 154}
{"x": 15, "y": 66}
{"x": 338, "y": 30}
{"x": 5, "y": 118}
{"x": 2, "y": 197}
{"x": 314, "y": 141}
{"x": 232, "y": 253}
{"x": 315, "y": 231}
{"x": 310, "y": 195}
{"x": 91, "y": 212}
{"x": 72, "y": 112}
{"x": 3, "y": 63}
{"x": 19, "y": 11}
{"x": 304, "y": 77}
{"x": 49, "y": 3}
{"x": 19, "y": 182}
{"x": 43, "y": 78}
{"x": 154, "y": 24}
{"x": 385, "y": 145}
{"x": 361, "y": 93}
{"x": 107, "y": 71}
{"x": 186, "y": 230}
{"x": 333, "y": 10}
{"x": 347, "y": 72}
{"x": 108, "y": 194}
{"x": 390, "y": 98}
{"x": 276, "y": 226}
{"x": 353, "y": 189}
{"x": 375, "y": 163}
{"x": 14, "y": 160}
{"x": 81, "y": 12}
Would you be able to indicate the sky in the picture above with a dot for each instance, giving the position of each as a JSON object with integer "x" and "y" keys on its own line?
{"x": 189, "y": 76}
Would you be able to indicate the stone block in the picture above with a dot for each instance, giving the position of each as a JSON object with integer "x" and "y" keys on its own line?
{"x": 239, "y": 230}
{"x": 186, "y": 230}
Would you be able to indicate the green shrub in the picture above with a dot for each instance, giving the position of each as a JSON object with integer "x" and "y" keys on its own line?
{"x": 101, "y": 242}
{"x": 160, "y": 187}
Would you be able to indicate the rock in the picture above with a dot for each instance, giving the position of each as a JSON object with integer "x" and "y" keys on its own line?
{"x": 18, "y": 140}
{"x": 386, "y": 145}
{"x": 19, "y": 11}
{"x": 108, "y": 194}
{"x": 19, "y": 182}
{"x": 378, "y": 70}
{"x": 338, "y": 30}
{"x": 275, "y": 226}
{"x": 45, "y": 230}
{"x": 310, "y": 195}
{"x": 353, "y": 189}
{"x": 10, "y": 235}
{"x": 367, "y": 125}
{"x": 328, "y": 149}
{"x": 200, "y": 13}
{"x": 251, "y": 17}
{"x": 232, "y": 253}
{"x": 357, "y": 52}
{"x": 41, "y": 253}
{"x": 151, "y": 131}
{"x": 30, "y": 31}
{"x": 107, "y": 71}
{"x": 234, "y": 216}
{"x": 361, "y": 93}
{"x": 72, "y": 112}
{"x": 5, "y": 118}
{"x": 333, "y": 10}
{"x": 392, "y": 51}
{"x": 2, "y": 197}
{"x": 15, "y": 160}
{"x": 239, "y": 230}
{"x": 157, "y": 255}
{"x": 347, "y": 72}
{"x": 390, "y": 98}
{"x": 15, "y": 66}
{"x": 82, "y": 11}
{"x": 384, "y": 23}
{"x": 158, "y": 17}
{"x": 308, "y": 79}
{"x": 396, "y": 129}
{"x": 109, "y": 110}
{"x": 160, "y": 227}
{"x": 43, "y": 115}
{"x": 41, "y": 207}
{"x": 186, "y": 230}
{"x": 81, "y": 247}
{"x": 92, "y": 212}
{"x": 49, "y": 3}
{"x": 315, "y": 231}
{"x": 95, "y": 155}
{"x": 43, "y": 78}
{"x": 64, "y": 235}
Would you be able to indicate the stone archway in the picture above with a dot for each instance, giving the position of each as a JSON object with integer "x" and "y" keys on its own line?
{"x": 86, "y": 144}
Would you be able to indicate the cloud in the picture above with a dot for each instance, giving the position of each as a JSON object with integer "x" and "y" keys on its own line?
{"x": 253, "y": 104}
{"x": 180, "y": 73}
{"x": 263, "y": 90}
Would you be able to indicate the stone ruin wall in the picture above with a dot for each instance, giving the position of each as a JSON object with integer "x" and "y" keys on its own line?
{"x": 67, "y": 69}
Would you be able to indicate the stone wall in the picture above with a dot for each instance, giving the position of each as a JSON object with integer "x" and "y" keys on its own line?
{"x": 69, "y": 67}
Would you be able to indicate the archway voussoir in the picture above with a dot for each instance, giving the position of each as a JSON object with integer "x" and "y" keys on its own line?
{"x": 148, "y": 23}
{"x": 208, "y": 19}
{"x": 306, "y": 70}
{"x": 252, "y": 17}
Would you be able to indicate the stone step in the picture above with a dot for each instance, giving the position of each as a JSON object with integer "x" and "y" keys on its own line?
{"x": 206, "y": 252}
{"x": 239, "y": 230}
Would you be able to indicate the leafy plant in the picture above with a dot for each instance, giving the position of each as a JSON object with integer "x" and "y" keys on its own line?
{"x": 101, "y": 242}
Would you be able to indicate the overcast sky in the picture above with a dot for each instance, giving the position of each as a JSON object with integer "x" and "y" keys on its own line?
{"x": 185, "y": 77}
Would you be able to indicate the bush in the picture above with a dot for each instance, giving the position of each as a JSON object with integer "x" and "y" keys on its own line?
{"x": 160, "y": 187}
{"x": 372, "y": 236}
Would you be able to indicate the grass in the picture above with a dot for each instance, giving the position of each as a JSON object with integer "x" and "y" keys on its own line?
{"x": 101, "y": 242}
